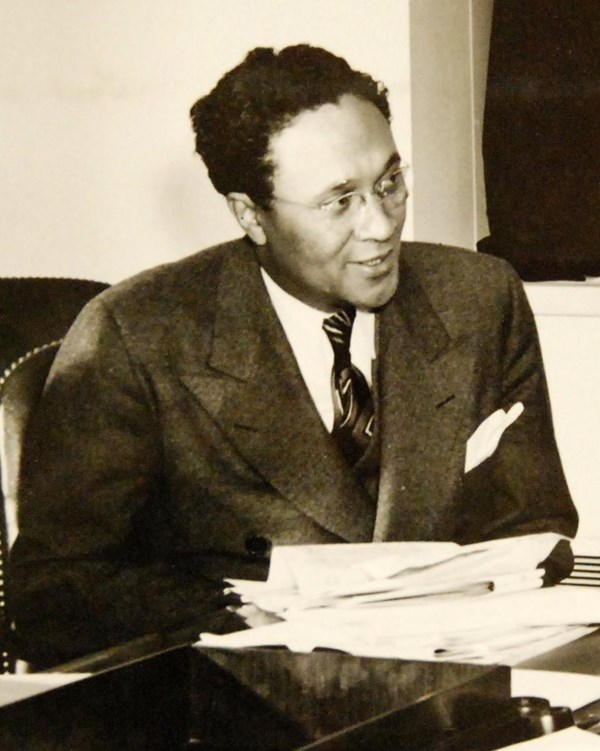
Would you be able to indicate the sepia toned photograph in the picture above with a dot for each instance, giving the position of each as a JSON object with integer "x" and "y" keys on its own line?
{"x": 300, "y": 375}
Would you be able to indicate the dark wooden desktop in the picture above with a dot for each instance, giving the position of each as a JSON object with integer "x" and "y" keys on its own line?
{"x": 269, "y": 700}
{"x": 161, "y": 694}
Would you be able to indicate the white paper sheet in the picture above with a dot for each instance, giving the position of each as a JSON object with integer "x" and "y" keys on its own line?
{"x": 561, "y": 689}
{"x": 570, "y": 739}
{"x": 22, "y": 686}
{"x": 329, "y": 571}
{"x": 586, "y": 546}
{"x": 459, "y": 625}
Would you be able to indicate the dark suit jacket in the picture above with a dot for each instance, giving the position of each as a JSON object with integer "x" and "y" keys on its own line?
{"x": 177, "y": 442}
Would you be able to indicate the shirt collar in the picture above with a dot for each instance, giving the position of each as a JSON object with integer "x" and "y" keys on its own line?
{"x": 297, "y": 316}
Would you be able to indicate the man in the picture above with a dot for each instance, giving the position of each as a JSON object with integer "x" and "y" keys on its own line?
{"x": 207, "y": 410}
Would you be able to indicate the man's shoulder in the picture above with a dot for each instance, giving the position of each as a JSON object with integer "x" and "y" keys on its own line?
{"x": 460, "y": 280}
{"x": 192, "y": 279}
{"x": 179, "y": 274}
{"x": 445, "y": 266}
{"x": 450, "y": 262}
{"x": 164, "y": 301}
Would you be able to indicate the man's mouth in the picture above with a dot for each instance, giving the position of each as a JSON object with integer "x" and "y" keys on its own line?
{"x": 375, "y": 261}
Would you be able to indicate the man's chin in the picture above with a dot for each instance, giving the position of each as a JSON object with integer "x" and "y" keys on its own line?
{"x": 373, "y": 300}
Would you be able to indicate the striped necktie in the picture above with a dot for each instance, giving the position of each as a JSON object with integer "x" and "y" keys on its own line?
{"x": 354, "y": 412}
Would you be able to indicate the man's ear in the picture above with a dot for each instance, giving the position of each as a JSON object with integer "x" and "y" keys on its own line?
{"x": 248, "y": 216}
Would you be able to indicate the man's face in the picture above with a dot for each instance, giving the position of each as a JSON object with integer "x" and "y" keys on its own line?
{"x": 325, "y": 258}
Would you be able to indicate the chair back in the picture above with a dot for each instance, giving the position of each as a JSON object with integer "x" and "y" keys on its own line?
{"x": 38, "y": 310}
{"x": 35, "y": 313}
{"x": 20, "y": 389}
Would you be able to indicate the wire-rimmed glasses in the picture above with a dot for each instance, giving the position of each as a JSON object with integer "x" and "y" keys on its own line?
{"x": 390, "y": 190}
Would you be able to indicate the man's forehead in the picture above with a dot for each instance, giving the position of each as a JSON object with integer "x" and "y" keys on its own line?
{"x": 348, "y": 141}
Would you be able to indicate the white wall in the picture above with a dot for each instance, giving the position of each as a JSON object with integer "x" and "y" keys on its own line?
{"x": 99, "y": 178}
{"x": 481, "y": 26}
{"x": 449, "y": 51}
{"x": 568, "y": 321}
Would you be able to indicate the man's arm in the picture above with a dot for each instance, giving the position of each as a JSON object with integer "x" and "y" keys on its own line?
{"x": 92, "y": 565}
{"x": 521, "y": 487}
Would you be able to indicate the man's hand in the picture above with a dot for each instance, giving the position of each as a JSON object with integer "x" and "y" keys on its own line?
{"x": 254, "y": 616}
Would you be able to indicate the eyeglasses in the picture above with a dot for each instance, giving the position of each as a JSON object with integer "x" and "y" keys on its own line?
{"x": 390, "y": 190}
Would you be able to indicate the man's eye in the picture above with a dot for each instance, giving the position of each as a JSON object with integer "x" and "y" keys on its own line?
{"x": 341, "y": 204}
{"x": 391, "y": 182}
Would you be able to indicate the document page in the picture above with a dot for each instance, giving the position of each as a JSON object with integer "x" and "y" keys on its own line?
{"x": 570, "y": 739}
{"x": 561, "y": 689}
{"x": 439, "y": 601}
{"x": 22, "y": 686}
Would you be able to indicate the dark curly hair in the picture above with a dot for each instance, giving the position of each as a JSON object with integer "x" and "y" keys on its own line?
{"x": 258, "y": 98}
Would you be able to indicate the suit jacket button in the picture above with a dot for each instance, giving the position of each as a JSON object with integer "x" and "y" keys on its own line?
{"x": 257, "y": 545}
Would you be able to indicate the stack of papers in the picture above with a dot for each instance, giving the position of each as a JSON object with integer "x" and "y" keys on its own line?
{"x": 367, "y": 574}
{"x": 475, "y": 603}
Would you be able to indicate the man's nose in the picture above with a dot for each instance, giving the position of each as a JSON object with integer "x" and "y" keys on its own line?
{"x": 374, "y": 222}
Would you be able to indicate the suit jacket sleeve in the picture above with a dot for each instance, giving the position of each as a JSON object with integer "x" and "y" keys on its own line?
{"x": 521, "y": 488}
{"x": 93, "y": 467}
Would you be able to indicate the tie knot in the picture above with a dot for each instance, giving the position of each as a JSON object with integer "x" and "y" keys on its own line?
{"x": 338, "y": 328}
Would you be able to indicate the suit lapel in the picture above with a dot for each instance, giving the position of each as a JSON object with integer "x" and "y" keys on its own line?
{"x": 424, "y": 385}
{"x": 255, "y": 392}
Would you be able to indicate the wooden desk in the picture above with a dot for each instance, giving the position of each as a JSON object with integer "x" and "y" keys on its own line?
{"x": 159, "y": 694}
{"x": 180, "y": 698}
{"x": 579, "y": 656}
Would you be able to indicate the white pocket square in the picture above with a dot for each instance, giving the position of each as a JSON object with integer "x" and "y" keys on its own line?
{"x": 484, "y": 441}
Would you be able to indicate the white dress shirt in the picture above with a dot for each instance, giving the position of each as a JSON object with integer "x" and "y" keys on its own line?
{"x": 303, "y": 326}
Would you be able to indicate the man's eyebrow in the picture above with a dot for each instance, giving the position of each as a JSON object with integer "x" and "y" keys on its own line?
{"x": 393, "y": 161}
{"x": 337, "y": 188}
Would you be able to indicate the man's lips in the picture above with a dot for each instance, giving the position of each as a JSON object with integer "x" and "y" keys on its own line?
{"x": 375, "y": 261}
